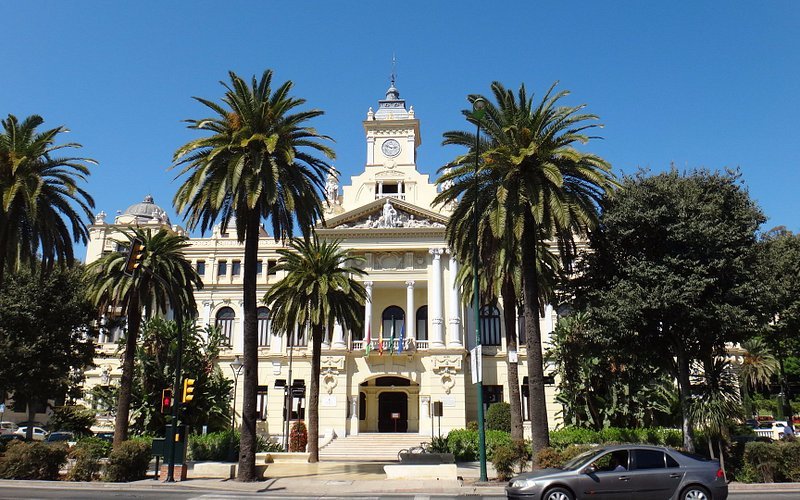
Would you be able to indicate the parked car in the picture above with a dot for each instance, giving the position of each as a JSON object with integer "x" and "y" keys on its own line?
{"x": 8, "y": 427}
{"x": 61, "y": 437}
{"x": 625, "y": 471}
{"x": 105, "y": 436}
{"x": 39, "y": 434}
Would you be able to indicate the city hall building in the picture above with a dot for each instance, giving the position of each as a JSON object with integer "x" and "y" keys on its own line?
{"x": 419, "y": 327}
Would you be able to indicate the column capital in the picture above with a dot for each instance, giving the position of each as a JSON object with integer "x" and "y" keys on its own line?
{"x": 207, "y": 303}
{"x": 368, "y": 284}
{"x": 436, "y": 252}
{"x": 410, "y": 283}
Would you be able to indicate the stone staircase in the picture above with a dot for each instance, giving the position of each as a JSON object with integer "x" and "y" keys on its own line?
{"x": 370, "y": 447}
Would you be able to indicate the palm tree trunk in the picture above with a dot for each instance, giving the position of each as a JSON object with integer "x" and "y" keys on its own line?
{"x": 530, "y": 284}
{"x": 510, "y": 319}
{"x": 313, "y": 398}
{"x": 247, "y": 443}
{"x": 126, "y": 381}
{"x": 31, "y": 417}
{"x": 3, "y": 249}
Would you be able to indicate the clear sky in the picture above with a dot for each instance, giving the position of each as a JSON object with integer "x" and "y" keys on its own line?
{"x": 711, "y": 84}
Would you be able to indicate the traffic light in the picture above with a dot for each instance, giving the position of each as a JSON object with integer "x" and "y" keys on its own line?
{"x": 166, "y": 400}
{"x": 135, "y": 256}
{"x": 188, "y": 390}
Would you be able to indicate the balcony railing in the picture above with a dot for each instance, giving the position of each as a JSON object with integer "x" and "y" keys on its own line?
{"x": 388, "y": 344}
{"x": 398, "y": 196}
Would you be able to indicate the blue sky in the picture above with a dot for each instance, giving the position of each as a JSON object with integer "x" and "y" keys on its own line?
{"x": 711, "y": 84}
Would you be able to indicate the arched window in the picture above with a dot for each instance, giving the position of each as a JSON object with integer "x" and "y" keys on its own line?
{"x": 263, "y": 326}
{"x": 422, "y": 323}
{"x": 490, "y": 325}
{"x": 393, "y": 318}
{"x": 225, "y": 320}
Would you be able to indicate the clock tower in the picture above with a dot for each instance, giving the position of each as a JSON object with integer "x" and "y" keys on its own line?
{"x": 392, "y": 133}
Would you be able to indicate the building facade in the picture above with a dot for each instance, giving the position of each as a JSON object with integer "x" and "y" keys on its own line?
{"x": 416, "y": 322}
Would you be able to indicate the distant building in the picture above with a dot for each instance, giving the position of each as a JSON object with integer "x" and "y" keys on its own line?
{"x": 385, "y": 215}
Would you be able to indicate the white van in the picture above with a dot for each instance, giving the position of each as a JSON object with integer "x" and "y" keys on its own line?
{"x": 8, "y": 427}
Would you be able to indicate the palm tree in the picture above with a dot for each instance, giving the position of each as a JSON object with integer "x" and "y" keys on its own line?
{"x": 164, "y": 280}
{"x": 545, "y": 189}
{"x": 41, "y": 204}
{"x": 757, "y": 368}
{"x": 318, "y": 290}
{"x": 257, "y": 163}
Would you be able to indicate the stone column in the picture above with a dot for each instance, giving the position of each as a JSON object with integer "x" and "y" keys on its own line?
{"x": 354, "y": 415}
{"x": 437, "y": 332}
{"x": 411, "y": 317}
{"x": 454, "y": 335}
{"x": 368, "y": 310}
{"x": 238, "y": 331}
{"x": 338, "y": 336}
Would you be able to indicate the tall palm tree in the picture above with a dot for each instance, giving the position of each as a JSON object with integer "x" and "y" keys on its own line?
{"x": 257, "y": 163}
{"x": 164, "y": 280}
{"x": 757, "y": 368}
{"x": 318, "y": 290}
{"x": 545, "y": 189}
{"x": 41, "y": 204}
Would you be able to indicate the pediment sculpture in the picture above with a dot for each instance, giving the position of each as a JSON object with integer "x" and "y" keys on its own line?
{"x": 391, "y": 217}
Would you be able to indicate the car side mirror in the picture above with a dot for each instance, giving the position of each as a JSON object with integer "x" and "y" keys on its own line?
{"x": 590, "y": 469}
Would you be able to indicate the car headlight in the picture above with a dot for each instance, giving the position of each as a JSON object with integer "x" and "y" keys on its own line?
{"x": 523, "y": 483}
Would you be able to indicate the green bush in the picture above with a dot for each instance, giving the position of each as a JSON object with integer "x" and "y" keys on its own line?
{"x": 511, "y": 458}
{"x": 298, "y": 437}
{"x": 549, "y": 458}
{"x": 498, "y": 417}
{"x": 34, "y": 460}
{"x": 87, "y": 454}
{"x": 223, "y": 446}
{"x": 128, "y": 462}
{"x": 463, "y": 443}
{"x": 472, "y": 425}
{"x": 439, "y": 445}
{"x": 761, "y": 462}
{"x": 578, "y": 435}
{"x": 790, "y": 461}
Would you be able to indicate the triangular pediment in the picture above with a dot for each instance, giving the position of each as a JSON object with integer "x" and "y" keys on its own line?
{"x": 387, "y": 214}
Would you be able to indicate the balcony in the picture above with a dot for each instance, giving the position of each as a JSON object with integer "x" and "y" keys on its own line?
{"x": 388, "y": 344}
{"x": 396, "y": 196}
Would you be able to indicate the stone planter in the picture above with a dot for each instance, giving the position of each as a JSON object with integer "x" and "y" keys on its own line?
{"x": 427, "y": 458}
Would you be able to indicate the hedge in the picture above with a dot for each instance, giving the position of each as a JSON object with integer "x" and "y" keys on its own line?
{"x": 653, "y": 435}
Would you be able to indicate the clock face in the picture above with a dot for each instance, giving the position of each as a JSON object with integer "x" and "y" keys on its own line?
{"x": 390, "y": 148}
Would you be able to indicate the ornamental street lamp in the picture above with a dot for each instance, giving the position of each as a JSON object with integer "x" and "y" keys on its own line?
{"x": 236, "y": 367}
{"x": 478, "y": 110}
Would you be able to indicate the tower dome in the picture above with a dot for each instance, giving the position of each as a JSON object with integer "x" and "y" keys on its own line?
{"x": 147, "y": 211}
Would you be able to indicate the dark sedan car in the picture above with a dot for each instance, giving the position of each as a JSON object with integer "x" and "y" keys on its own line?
{"x": 625, "y": 472}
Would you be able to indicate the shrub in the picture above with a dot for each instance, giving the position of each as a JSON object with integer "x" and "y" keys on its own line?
{"x": 128, "y": 462}
{"x": 573, "y": 435}
{"x": 574, "y": 450}
{"x": 761, "y": 461}
{"x": 216, "y": 446}
{"x": 498, "y": 417}
{"x": 472, "y": 425}
{"x": 790, "y": 461}
{"x": 549, "y": 458}
{"x": 87, "y": 454}
{"x": 439, "y": 445}
{"x": 653, "y": 435}
{"x": 463, "y": 443}
{"x": 34, "y": 460}
{"x": 511, "y": 458}
{"x": 75, "y": 419}
{"x": 298, "y": 437}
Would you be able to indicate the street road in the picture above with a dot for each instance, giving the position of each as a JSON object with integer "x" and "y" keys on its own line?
{"x": 106, "y": 492}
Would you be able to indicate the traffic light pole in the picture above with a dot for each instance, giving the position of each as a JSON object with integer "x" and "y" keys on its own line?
{"x": 176, "y": 396}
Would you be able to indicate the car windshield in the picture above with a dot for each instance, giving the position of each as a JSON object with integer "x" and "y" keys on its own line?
{"x": 579, "y": 461}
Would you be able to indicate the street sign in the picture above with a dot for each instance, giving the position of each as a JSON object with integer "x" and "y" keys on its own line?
{"x": 476, "y": 363}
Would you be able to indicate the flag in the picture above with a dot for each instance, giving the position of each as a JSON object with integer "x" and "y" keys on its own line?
{"x": 391, "y": 341}
{"x": 402, "y": 338}
{"x": 368, "y": 342}
{"x": 380, "y": 340}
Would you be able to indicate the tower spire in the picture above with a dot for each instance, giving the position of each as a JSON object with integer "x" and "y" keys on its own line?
{"x": 394, "y": 69}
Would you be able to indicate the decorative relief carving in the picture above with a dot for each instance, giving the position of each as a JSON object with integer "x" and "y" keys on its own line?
{"x": 389, "y": 260}
{"x": 447, "y": 367}
{"x": 331, "y": 366}
{"x": 392, "y": 217}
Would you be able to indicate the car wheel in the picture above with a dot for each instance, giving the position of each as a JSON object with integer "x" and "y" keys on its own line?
{"x": 558, "y": 494}
{"x": 695, "y": 492}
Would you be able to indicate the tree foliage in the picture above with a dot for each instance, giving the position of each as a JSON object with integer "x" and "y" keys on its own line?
{"x": 42, "y": 206}
{"x": 670, "y": 269}
{"x": 45, "y": 333}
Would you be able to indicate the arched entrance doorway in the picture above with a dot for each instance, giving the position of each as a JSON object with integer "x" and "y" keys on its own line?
{"x": 389, "y": 404}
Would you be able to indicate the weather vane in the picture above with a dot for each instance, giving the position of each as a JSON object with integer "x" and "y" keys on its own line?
{"x": 394, "y": 68}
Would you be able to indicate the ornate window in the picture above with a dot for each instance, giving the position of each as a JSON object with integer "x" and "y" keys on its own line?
{"x": 490, "y": 325}
{"x": 263, "y": 327}
{"x": 225, "y": 320}
{"x": 422, "y": 323}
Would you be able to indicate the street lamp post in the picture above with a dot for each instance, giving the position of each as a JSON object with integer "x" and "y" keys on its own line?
{"x": 236, "y": 367}
{"x": 289, "y": 399}
{"x": 478, "y": 106}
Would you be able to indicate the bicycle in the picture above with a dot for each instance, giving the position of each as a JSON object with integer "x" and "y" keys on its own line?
{"x": 424, "y": 447}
